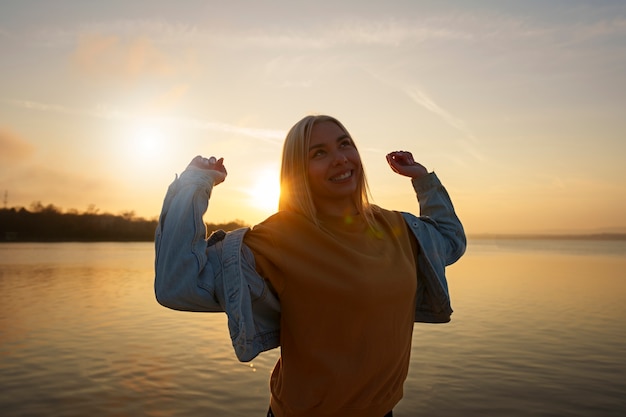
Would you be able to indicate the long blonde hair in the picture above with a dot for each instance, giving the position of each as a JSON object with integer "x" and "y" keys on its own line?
{"x": 295, "y": 191}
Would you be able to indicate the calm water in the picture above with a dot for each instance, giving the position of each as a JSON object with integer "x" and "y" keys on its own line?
{"x": 539, "y": 329}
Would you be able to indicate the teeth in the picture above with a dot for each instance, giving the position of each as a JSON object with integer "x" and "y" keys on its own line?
{"x": 343, "y": 176}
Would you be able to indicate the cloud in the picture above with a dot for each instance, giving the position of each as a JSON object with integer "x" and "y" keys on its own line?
{"x": 269, "y": 135}
{"x": 39, "y": 182}
{"x": 415, "y": 24}
{"x": 423, "y": 99}
{"x": 112, "y": 56}
{"x": 462, "y": 28}
{"x": 101, "y": 112}
{"x": 344, "y": 33}
{"x": 428, "y": 103}
{"x": 160, "y": 31}
{"x": 468, "y": 140}
{"x": 170, "y": 98}
{"x": 13, "y": 147}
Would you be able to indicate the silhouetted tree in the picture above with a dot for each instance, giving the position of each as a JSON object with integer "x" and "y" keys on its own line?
{"x": 50, "y": 223}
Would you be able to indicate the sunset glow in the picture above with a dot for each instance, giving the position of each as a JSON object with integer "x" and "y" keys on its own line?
{"x": 518, "y": 106}
{"x": 147, "y": 142}
{"x": 265, "y": 191}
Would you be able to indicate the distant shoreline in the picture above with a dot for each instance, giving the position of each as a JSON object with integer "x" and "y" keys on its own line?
{"x": 477, "y": 236}
{"x": 546, "y": 236}
{"x": 51, "y": 224}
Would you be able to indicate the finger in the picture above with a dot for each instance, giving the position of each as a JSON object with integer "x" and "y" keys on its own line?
{"x": 391, "y": 161}
{"x": 399, "y": 159}
{"x": 208, "y": 162}
{"x": 218, "y": 163}
{"x": 403, "y": 158}
{"x": 394, "y": 156}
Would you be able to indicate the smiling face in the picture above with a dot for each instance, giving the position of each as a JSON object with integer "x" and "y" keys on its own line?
{"x": 334, "y": 169}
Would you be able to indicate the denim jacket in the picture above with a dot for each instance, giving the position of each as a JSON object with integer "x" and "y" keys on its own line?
{"x": 218, "y": 274}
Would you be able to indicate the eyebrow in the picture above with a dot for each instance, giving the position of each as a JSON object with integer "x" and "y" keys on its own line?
{"x": 339, "y": 139}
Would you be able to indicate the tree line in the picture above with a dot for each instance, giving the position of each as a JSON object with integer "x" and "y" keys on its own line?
{"x": 51, "y": 224}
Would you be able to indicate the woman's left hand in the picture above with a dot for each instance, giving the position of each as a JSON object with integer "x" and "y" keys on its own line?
{"x": 211, "y": 164}
{"x": 402, "y": 162}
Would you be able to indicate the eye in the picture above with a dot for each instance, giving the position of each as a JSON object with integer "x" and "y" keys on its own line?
{"x": 345, "y": 143}
{"x": 318, "y": 153}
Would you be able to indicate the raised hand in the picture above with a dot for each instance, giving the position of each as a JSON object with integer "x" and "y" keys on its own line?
{"x": 402, "y": 162}
{"x": 211, "y": 164}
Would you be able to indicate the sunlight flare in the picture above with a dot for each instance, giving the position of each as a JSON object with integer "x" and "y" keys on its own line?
{"x": 265, "y": 191}
{"x": 146, "y": 140}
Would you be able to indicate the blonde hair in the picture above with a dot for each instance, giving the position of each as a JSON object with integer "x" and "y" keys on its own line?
{"x": 295, "y": 191}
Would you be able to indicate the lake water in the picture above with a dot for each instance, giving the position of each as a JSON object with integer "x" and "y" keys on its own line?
{"x": 539, "y": 329}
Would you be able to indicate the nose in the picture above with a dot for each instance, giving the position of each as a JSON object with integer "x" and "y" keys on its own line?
{"x": 339, "y": 159}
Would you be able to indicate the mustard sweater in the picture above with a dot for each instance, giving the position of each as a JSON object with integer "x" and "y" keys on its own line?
{"x": 348, "y": 302}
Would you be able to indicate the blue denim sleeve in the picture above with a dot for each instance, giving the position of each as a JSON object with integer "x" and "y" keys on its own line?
{"x": 184, "y": 280}
{"x": 439, "y": 220}
{"x": 441, "y": 241}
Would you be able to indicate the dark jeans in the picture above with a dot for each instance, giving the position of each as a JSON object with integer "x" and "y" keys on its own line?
{"x": 270, "y": 414}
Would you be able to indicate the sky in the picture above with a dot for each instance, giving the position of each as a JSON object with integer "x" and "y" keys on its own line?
{"x": 519, "y": 107}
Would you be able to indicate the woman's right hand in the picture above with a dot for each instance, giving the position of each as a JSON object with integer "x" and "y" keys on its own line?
{"x": 211, "y": 164}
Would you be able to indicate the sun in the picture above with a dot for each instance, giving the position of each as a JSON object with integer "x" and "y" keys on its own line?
{"x": 147, "y": 140}
{"x": 265, "y": 191}
{"x": 146, "y": 145}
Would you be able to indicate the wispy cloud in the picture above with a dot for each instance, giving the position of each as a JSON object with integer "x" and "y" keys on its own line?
{"x": 170, "y": 98}
{"x": 42, "y": 182}
{"x": 363, "y": 32}
{"x": 355, "y": 31}
{"x": 424, "y": 100}
{"x": 466, "y": 143}
{"x": 101, "y": 113}
{"x": 13, "y": 147}
{"x": 269, "y": 135}
{"x": 459, "y": 28}
{"x": 273, "y": 136}
{"x": 113, "y": 56}
{"x": 416, "y": 25}
{"x": 159, "y": 31}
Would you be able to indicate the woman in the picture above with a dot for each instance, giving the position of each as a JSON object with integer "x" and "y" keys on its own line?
{"x": 333, "y": 280}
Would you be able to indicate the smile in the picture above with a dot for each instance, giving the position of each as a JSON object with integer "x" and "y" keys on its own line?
{"x": 342, "y": 176}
